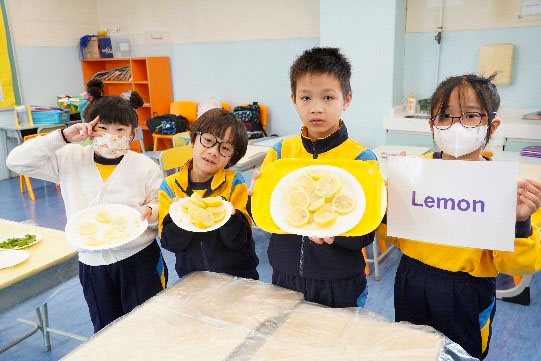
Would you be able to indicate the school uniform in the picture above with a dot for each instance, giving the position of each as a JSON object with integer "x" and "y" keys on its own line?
{"x": 453, "y": 289}
{"x": 329, "y": 274}
{"x": 229, "y": 249}
{"x": 87, "y": 179}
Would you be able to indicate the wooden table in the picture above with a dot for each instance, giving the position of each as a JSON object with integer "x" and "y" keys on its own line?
{"x": 210, "y": 316}
{"x": 49, "y": 258}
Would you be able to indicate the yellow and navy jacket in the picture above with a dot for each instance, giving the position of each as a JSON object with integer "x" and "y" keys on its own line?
{"x": 297, "y": 255}
{"x": 229, "y": 249}
{"x": 526, "y": 258}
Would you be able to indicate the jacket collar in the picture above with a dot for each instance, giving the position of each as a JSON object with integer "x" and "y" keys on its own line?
{"x": 322, "y": 145}
{"x": 183, "y": 180}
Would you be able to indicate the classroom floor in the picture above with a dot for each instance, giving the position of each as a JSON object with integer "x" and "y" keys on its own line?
{"x": 515, "y": 334}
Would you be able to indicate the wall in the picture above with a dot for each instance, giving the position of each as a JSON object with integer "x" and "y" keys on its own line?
{"x": 374, "y": 55}
{"x": 468, "y": 26}
{"x": 237, "y": 51}
{"x": 241, "y": 72}
{"x": 46, "y": 37}
{"x": 199, "y": 21}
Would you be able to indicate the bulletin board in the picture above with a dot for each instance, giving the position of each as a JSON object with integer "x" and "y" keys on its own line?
{"x": 9, "y": 89}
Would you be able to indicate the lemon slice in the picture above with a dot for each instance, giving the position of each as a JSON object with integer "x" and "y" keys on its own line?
{"x": 328, "y": 185}
{"x": 186, "y": 205}
{"x": 93, "y": 241}
{"x": 87, "y": 228}
{"x": 307, "y": 182}
{"x": 298, "y": 199}
{"x": 204, "y": 219}
{"x": 192, "y": 213}
{"x": 298, "y": 217}
{"x": 294, "y": 187}
{"x": 216, "y": 210}
{"x": 198, "y": 200}
{"x": 213, "y": 201}
{"x": 325, "y": 218}
{"x": 343, "y": 204}
{"x": 103, "y": 217}
{"x": 315, "y": 202}
{"x": 316, "y": 173}
{"x": 218, "y": 217}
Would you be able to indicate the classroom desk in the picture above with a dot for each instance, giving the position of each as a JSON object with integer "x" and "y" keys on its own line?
{"x": 210, "y": 316}
{"x": 252, "y": 159}
{"x": 14, "y": 131}
{"x": 51, "y": 262}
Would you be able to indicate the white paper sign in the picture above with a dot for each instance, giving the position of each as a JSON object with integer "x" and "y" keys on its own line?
{"x": 453, "y": 202}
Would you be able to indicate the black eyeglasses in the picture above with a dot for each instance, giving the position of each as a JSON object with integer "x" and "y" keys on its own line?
{"x": 208, "y": 140}
{"x": 444, "y": 121}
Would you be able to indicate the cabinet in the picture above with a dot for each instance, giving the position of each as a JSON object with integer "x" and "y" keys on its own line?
{"x": 151, "y": 78}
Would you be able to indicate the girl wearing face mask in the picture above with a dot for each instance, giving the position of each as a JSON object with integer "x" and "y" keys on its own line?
{"x": 449, "y": 288}
{"x": 114, "y": 281}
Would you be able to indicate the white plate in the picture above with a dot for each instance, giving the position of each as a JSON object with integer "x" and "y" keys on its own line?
{"x": 351, "y": 187}
{"x": 4, "y": 238}
{"x": 10, "y": 258}
{"x": 180, "y": 218}
{"x": 134, "y": 225}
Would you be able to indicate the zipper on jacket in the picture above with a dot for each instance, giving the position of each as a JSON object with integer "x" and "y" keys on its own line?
{"x": 314, "y": 154}
{"x": 203, "y": 254}
{"x": 301, "y": 260}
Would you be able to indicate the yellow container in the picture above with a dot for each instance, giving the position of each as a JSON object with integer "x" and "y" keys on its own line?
{"x": 365, "y": 172}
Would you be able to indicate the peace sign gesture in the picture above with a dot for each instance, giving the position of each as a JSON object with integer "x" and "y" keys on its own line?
{"x": 81, "y": 131}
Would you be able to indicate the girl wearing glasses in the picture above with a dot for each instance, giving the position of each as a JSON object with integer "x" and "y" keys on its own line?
{"x": 449, "y": 288}
{"x": 219, "y": 140}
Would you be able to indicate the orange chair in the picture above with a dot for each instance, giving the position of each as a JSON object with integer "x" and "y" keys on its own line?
{"x": 226, "y": 106}
{"x": 24, "y": 179}
{"x": 186, "y": 109}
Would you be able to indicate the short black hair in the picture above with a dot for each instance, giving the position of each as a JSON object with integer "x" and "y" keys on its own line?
{"x": 94, "y": 87}
{"x": 320, "y": 60}
{"x": 482, "y": 86}
{"x": 217, "y": 121}
{"x": 112, "y": 110}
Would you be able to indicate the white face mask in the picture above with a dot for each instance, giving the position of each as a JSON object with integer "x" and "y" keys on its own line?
{"x": 111, "y": 146}
{"x": 458, "y": 141}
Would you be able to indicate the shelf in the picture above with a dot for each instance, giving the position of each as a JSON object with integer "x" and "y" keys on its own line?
{"x": 140, "y": 82}
{"x": 116, "y": 82}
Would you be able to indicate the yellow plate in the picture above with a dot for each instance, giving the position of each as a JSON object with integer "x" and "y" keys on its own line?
{"x": 365, "y": 172}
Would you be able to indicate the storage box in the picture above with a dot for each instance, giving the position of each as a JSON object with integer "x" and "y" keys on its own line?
{"x": 50, "y": 115}
{"x": 106, "y": 49}
{"x": 92, "y": 51}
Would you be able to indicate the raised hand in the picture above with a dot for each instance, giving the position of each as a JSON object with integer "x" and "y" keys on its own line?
{"x": 81, "y": 131}
{"x": 528, "y": 198}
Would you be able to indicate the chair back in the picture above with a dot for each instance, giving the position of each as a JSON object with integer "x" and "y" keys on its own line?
{"x": 50, "y": 128}
{"x": 179, "y": 139}
{"x": 186, "y": 109}
{"x": 227, "y": 106}
{"x": 31, "y": 136}
{"x": 174, "y": 158}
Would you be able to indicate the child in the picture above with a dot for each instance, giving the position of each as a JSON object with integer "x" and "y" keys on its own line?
{"x": 453, "y": 289}
{"x": 117, "y": 280}
{"x": 94, "y": 91}
{"x": 328, "y": 270}
{"x": 218, "y": 140}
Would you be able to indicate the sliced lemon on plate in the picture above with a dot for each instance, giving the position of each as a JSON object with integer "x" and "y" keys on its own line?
{"x": 213, "y": 201}
{"x": 307, "y": 183}
{"x": 298, "y": 199}
{"x": 103, "y": 217}
{"x": 343, "y": 204}
{"x": 316, "y": 202}
{"x": 325, "y": 218}
{"x": 216, "y": 210}
{"x": 198, "y": 200}
{"x": 316, "y": 173}
{"x": 298, "y": 217}
{"x": 294, "y": 187}
{"x": 218, "y": 217}
{"x": 204, "y": 219}
{"x": 328, "y": 185}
